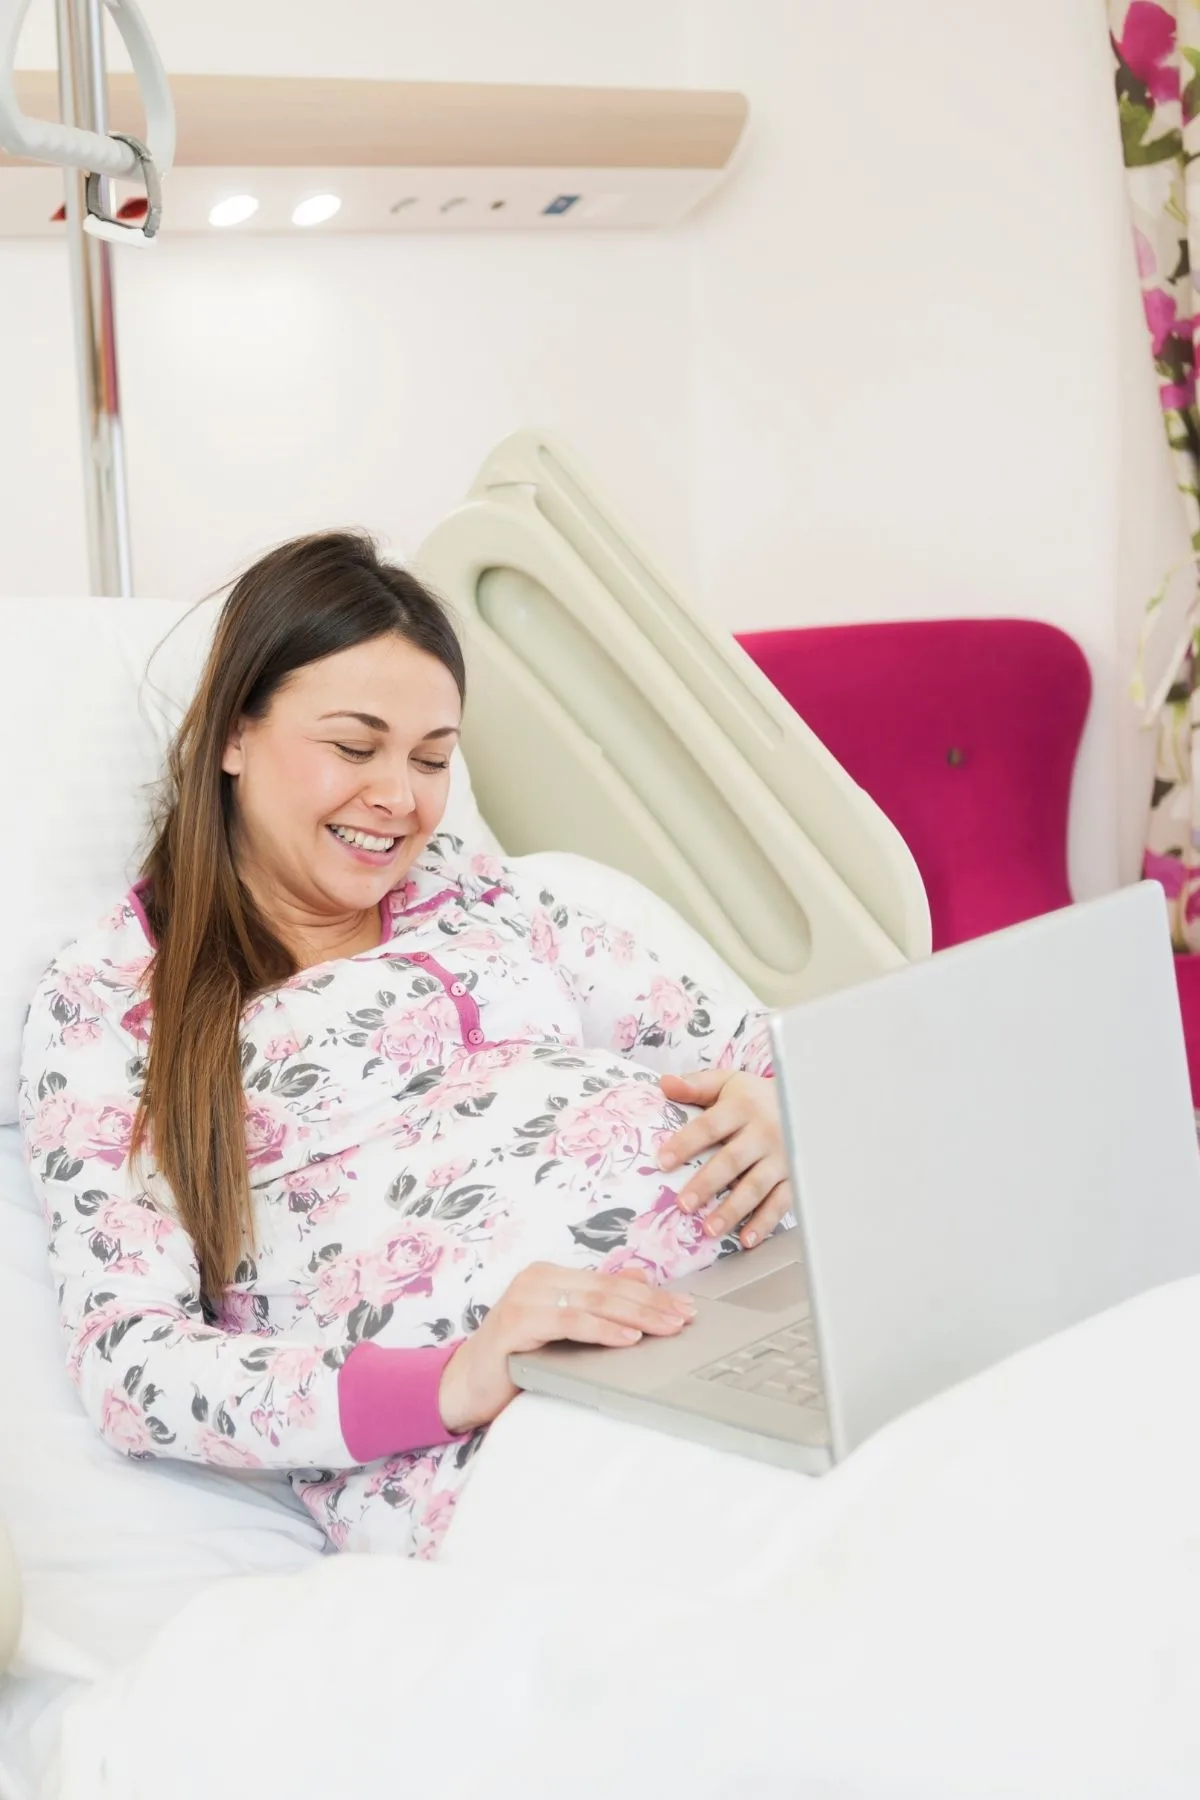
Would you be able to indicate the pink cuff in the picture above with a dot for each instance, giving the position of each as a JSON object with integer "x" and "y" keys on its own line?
{"x": 388, "y": 1400}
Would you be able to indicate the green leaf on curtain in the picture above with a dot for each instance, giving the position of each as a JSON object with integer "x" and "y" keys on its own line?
{"x": 1163, "y": 149}
{"x": 1191, "y": 93}
{"x": 1135, "y": 123}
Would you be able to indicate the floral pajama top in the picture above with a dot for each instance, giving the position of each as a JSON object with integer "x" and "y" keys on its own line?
{"x": 423, "y": 1120}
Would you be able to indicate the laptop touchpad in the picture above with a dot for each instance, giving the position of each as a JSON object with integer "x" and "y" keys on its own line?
{"x": 776, "y": 1292}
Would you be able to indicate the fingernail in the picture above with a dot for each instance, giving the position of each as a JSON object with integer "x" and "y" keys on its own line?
{"x": 628, "y": 1335}
{"x": 749, "y": 1238}
{"x": 714, "y": 1226}
{"x": 666, "y": 1160}
{"x": 684, "y": 1307}
{"x": 685, "y": 1202}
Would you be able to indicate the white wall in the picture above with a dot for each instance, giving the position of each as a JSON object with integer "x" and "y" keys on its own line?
{"x": 912, "y": 315}
{"x": 896, "y": 369}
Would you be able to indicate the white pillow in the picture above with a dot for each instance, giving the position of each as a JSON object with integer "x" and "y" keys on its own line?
{"x": 82, "y": 737}
{"x": 617, "y": 896}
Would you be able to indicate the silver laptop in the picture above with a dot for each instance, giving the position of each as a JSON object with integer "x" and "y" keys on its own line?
{"x": 985, "y": 1148}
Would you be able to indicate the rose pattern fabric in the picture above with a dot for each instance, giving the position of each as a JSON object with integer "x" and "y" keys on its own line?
{"x": 478, "y": 1092}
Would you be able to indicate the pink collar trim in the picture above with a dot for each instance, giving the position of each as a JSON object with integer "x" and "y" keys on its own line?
{"x": 134, "y": 899}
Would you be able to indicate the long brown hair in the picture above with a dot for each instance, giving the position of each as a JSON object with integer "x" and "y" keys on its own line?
{"x": 214, "y": 950}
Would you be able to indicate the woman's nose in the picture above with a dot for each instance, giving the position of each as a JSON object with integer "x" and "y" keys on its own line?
{"x": 391, "y": 791}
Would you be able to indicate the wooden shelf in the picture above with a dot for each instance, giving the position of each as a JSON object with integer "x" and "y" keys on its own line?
{"x": 250, "y": 121}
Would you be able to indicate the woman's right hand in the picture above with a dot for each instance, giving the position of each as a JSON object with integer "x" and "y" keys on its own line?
{"x": 545, "y": 1305}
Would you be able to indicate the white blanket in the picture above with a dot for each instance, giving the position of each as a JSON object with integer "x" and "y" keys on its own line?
{"x": 998, "y": 1596}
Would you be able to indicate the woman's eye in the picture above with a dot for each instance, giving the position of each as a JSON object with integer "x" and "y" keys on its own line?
{"x": 434, "y": 768}
{"x": 355, "y": 755}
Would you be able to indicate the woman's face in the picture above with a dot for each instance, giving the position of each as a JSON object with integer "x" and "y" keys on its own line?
{"x": 341, "y": 784}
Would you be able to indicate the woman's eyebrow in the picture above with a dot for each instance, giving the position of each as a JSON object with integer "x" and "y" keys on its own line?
{"x": 368, "y": 719}
{"x": 374, "y": 723}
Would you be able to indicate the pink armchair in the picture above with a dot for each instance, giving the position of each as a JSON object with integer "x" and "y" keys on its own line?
{"x": 965, "y": 732}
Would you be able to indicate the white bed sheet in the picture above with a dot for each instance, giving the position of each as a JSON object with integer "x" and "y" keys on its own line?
{"x": 999, "y": 1595}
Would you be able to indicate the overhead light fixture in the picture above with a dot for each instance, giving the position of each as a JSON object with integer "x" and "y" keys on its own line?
{"x": 316, "y": 210}
{"x": 234, "y": 211}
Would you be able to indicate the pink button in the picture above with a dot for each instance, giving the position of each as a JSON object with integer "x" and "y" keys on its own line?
{"x": 475, "y": 1037}
{"x": 418, "y": 956}
{"x": 458, "y": 990}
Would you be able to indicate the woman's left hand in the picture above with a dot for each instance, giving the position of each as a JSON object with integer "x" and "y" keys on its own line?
{"x": 741, "y": 1115}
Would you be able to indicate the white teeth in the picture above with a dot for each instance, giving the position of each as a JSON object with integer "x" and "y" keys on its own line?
{"x": 360, "y": 838}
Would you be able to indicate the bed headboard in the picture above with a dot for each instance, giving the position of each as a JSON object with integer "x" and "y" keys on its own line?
{"x": 606, "y": 717}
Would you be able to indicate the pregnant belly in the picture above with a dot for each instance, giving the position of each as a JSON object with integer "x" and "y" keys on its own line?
{"x": 551, "y": 1159}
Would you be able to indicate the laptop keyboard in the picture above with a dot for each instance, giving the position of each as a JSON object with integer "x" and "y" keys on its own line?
{"x": 783, "y": 1367}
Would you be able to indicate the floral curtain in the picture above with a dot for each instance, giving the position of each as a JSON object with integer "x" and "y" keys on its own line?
{"x": 1157, "y": 48}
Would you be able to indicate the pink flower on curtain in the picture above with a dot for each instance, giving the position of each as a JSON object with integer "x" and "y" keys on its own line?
{"x": 1168, "y": 871}
{"x": 1177, "y": 396}
{"x": 1174, "y": 878}
{"x": 1146, "y": 47}
{"x": 1172, "y": 343}
{"x": 1161, "y": 317}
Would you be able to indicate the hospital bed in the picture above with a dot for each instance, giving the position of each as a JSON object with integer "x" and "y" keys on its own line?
{"x": 618, "y": 742}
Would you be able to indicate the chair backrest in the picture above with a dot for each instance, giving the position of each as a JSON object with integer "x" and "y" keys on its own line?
{"x": 964, "y": 732}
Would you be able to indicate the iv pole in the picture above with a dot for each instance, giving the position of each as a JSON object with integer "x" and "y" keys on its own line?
{"x": 83, "y": 101}
{"x": 91, "y": 156}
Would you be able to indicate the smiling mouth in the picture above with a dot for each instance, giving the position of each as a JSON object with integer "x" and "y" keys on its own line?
{"x": 364, "y": 840}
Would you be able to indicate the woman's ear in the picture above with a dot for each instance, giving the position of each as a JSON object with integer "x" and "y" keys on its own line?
{"x": 232, "y": 756}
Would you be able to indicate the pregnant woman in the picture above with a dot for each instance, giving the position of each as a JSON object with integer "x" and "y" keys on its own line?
{"x": 328, "y": 1122}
